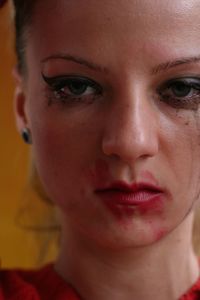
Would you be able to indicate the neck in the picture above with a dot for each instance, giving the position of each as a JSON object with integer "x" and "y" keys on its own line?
{"x": 168, "y": 267}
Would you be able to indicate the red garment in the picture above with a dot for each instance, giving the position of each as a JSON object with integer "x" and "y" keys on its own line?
{"x": 46, "y": 284}
{"x": 193, "y": 293}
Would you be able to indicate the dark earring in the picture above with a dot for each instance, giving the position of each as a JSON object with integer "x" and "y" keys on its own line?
{"x": 26, "y": 135}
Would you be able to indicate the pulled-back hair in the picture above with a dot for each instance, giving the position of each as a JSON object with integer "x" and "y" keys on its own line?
{"x": 23, "y": 14}
{"x": 2, "y": 2}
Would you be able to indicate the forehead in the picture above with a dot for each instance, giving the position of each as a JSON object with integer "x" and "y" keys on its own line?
{"x": 124, "y": 10}
{"x": 100, "y": 27}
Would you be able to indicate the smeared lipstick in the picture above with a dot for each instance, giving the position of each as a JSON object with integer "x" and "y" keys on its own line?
{"x": 125, "y": 199}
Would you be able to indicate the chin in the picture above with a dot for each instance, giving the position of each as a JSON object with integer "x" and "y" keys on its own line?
{"x": 126, "y": 237}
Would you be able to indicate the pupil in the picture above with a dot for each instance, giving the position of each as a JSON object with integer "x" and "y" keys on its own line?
{"x": 181, "y": 89}
{"x": 77, "y": 88}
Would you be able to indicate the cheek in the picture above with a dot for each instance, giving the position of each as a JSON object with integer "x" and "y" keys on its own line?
{"x": 98, "y": 174}
{"x": 62, "y": 152}
{"x": 183, "y": 135}
{"x": 187, "y": 144}
{"x": 195, "y": 153}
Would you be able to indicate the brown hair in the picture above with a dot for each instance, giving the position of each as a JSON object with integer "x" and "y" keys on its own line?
{"x": 2, "y": 2}
{"x": 23, "y": 15}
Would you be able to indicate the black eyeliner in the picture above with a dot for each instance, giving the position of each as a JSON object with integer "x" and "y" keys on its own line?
{"x": 57, "y": 81}
{"x": 57, "y": 84}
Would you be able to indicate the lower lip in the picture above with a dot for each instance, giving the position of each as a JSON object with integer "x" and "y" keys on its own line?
{"x": 129, "y": 203}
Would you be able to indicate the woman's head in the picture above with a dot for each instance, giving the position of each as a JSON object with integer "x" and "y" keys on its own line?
{"x": 111, "y": 98}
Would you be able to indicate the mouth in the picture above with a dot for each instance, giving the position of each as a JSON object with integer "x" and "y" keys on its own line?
{"x": 122, "y": 197}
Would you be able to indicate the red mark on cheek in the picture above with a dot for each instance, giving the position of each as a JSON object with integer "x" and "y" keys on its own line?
{"x": 99, "y": 174}
{"x": 160, "y": 234}
{"x": 149, "y": 177}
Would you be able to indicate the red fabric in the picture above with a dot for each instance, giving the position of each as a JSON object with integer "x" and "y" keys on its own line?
{"x": 193, "y": 293}
{"x": 46, "y": 284}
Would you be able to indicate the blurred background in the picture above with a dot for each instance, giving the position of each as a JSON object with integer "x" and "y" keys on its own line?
{"x": 19, "y": 246}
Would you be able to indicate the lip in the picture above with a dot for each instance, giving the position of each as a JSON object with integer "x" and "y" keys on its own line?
{"x": 122, "y": 198}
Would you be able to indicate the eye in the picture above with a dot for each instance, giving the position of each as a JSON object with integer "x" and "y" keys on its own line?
{"x": 181, "y": 92}
{"x": 74, "y": 88}
{"x": 180, "y": 89}
{"x": 77, "y": 87}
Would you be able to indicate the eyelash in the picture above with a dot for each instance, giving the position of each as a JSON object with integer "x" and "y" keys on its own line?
{"x": 64, "y": 88}
{"x": 73, "y": 89}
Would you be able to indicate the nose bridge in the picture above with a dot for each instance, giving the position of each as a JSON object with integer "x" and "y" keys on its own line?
{"x": 142, "y": 117}
{"x": 131, "y": 131}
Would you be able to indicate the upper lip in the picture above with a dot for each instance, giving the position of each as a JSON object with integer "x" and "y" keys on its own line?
{"x": 121, "y": 186}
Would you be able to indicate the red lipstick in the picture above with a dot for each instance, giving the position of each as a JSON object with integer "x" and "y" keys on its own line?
{"x": 126, "y": 199}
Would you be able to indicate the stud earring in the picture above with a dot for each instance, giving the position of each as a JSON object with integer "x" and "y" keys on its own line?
{"x": 26, "y": 135}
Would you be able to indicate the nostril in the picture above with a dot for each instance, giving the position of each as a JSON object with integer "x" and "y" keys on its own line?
{"x": 129, "y": 149}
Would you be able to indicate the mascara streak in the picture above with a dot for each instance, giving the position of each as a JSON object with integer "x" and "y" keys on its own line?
{"x": 191, "y": 103}
{"x": 70, "y": 101}
{"x": 190, "y": 98}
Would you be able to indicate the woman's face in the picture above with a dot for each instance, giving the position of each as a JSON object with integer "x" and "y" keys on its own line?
{"x": 112, "y": 98}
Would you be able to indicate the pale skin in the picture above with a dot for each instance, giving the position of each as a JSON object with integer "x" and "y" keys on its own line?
{"x": 131, "y": 123}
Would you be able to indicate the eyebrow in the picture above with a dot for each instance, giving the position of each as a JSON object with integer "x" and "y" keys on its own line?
{"x": 78, "y": 60}
{"x": 172, "y": 64}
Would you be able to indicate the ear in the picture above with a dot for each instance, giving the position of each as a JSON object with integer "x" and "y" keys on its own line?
{"x": 20, "y": 102}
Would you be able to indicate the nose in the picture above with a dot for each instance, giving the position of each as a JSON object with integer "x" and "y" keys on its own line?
{"x": 131, "y": 130}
